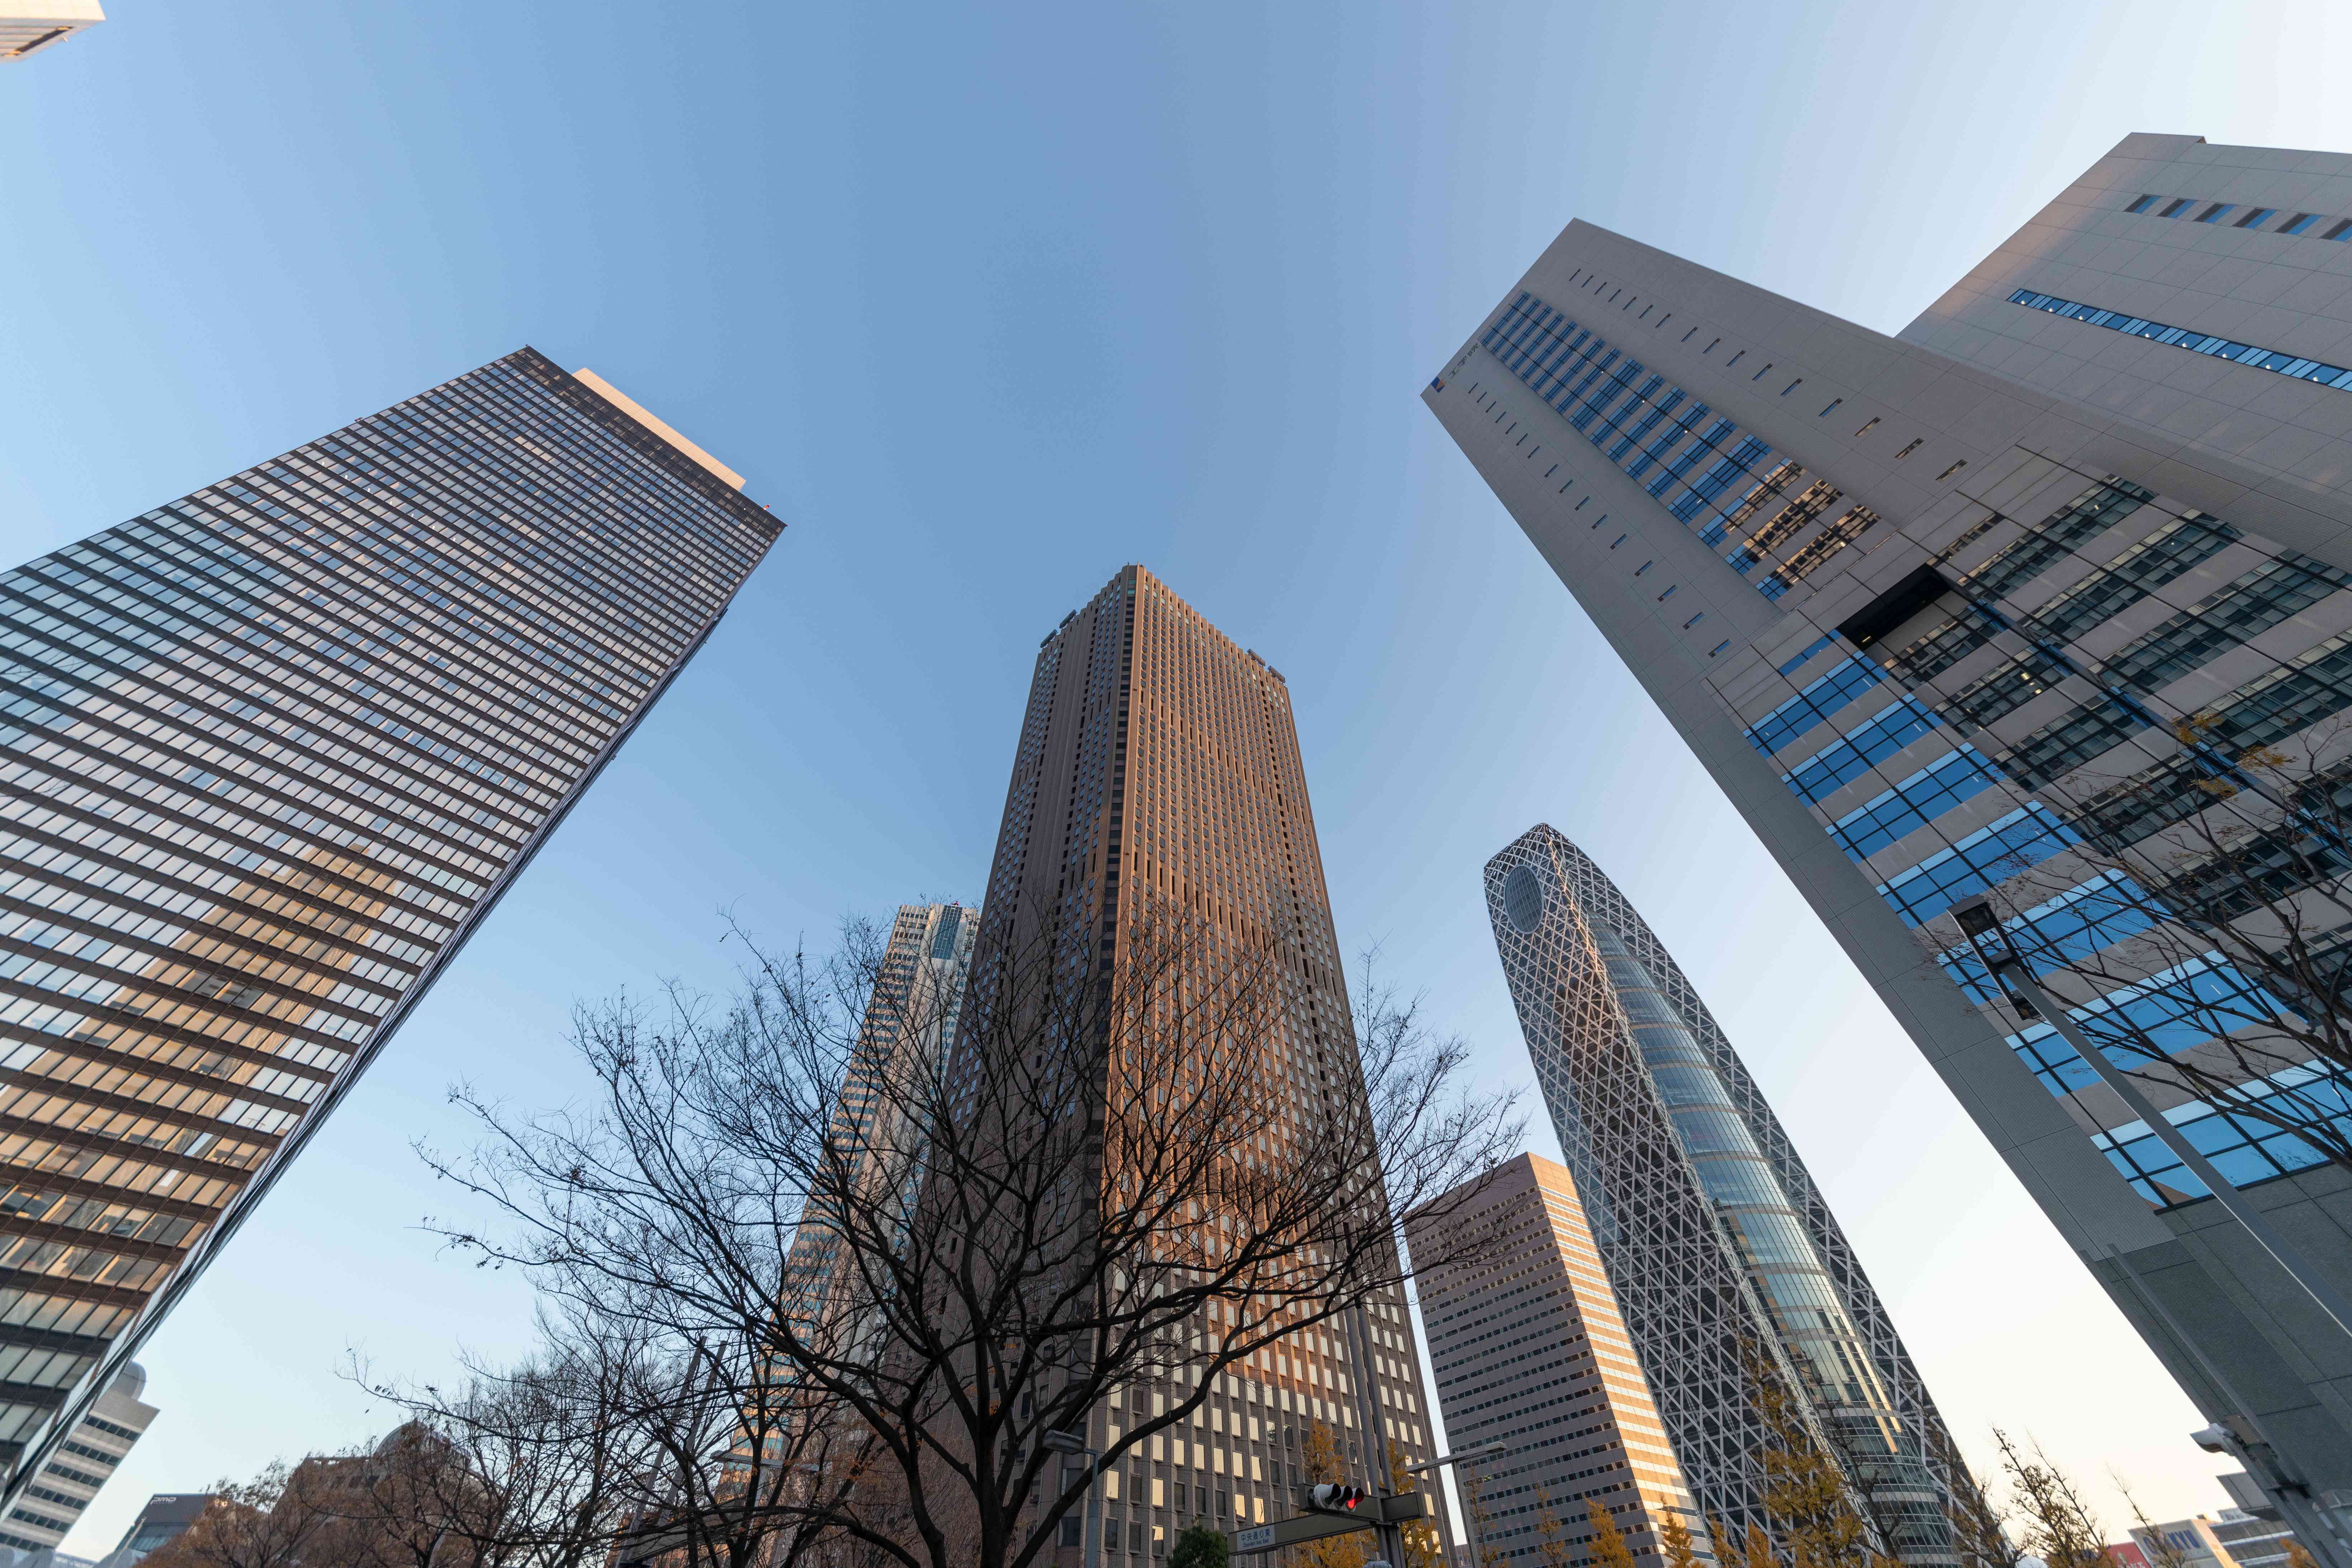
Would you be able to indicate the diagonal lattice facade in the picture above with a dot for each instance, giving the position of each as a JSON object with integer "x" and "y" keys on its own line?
{"x": 1719, "y": 1247}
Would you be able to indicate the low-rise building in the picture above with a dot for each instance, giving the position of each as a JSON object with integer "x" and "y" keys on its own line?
{"x": 164, "y": 1520}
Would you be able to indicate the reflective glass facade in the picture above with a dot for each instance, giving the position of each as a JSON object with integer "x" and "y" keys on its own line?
{"x": 270, "y": 751}
{"x": 2098, "y": 626}
{"x": 1886, "y": 746}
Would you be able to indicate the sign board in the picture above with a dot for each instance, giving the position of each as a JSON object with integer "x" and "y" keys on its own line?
{"x": 1314, "y": 1526}
{"x": 1291, "y": 1532}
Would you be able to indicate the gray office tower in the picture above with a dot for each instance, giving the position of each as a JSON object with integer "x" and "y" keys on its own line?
{"x": 270, "y": 752}
{"x": 1729, "y": 1271}
{"x": 902, "y": 1039}
{"x": 2005, "y": 605}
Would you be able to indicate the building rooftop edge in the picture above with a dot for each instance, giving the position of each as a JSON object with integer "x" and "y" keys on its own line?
{"x": 636, "y": 411}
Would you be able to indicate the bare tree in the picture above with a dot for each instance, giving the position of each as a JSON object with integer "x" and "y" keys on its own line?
{"x": 1089, "y": 1199}
{"x": 271, "y": 1521}
{"x": 560, "y": 1453}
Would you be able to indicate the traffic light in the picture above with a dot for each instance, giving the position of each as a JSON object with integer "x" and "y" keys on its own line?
{"x": 1330, "y": 1499}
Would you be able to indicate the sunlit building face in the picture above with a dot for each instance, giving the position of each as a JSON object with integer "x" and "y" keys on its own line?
{"x": 267, "y": 754}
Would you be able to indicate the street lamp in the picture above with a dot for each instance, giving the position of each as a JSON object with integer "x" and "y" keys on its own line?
{"x": 1486, "y": 1450}
{"x": 2236, "y": 1437}
{"x": 1983, "y": 928}
{"x": 1067, "y": 1444}
{"x": 1990, "y": 940}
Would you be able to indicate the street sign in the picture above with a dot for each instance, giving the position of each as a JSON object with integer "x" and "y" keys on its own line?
{"x": 1315, "y": 1526}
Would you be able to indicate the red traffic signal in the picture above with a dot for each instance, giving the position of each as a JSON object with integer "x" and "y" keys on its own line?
{"x": 1330, "y": 1499}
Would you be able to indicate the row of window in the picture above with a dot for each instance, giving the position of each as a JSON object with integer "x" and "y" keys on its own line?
{"x": 2191, "y": 209}
{"x": 2186, "y": 338}
{"x": 1850, "y": 756}
{"x": 1913, "y": 803}
{"x": 2177, "y": 1011}
{"x": 1984, "y": 860}
{"x": 1638, "y": 419}
{"x": 2180, "y": 1012}
{"x": 321, "y": 700}
{"x": 1812, "y": 705}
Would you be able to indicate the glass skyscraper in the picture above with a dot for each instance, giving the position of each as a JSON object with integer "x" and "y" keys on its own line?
{"x": 271, "y": 752}
{"x": 2026, "y": 601}
{"x": 1728, "y": 1267}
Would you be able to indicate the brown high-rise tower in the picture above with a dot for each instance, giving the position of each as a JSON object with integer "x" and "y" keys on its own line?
{"x": 1158, "y": 783}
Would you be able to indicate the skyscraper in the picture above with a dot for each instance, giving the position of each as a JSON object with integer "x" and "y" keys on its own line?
{"x": 1987, "y": 606}
{"x": 27, "y": 27}
{"x": 908, "y": 1021}
{"x": 1728, "y": 1268}
{"x": 1158, "y": 769}
{"x": 272, "y": 751}
{"x": 1530, "y": 1351}
{"x": 48, "y": 1508}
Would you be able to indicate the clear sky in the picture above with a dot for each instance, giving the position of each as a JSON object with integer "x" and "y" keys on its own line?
{"x": 987, "y": 301}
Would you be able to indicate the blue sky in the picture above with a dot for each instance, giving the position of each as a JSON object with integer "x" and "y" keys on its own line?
{"x": 988, "y": 301}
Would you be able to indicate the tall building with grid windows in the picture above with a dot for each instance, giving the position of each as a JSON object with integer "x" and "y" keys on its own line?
{"x": 1158, "y": 769}
{"x": 28, "y": 26}
{"x": 1729, "y": 1271}
{"x": 53, "y": 1502}
{"x": 1997, "y": 605}
{"x": 272, "y": 751}
{"x": 901, "y": 1042}
{"x": 1528, "y": 1349}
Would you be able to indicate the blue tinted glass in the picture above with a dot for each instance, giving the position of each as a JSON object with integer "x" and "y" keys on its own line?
{"x": 2244, "y": 354}
{"x": 1915, "y": 802}
{"x": 1813, "y": 704}
{"x": 1847, "y": 759}
{"x": 1793, "y": 664}
{"x": 1983, "y": 859}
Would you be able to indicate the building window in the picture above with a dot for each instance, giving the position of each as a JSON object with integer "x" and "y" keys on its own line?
{"x": 2343, "y": 230}
{"x": 2216, "y": 213}
{"x": 2141, "y": 206}
{"x": 2274, "y": 360}
{"x": 2298, "y": 223}
{"x": 2253, "y": 217}
{"x": 2173, "y": 209}
{"x": 1913, "y": 803}
{"x": 2008, "y": 689}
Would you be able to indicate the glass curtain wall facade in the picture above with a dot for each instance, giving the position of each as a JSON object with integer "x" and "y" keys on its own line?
{"x": 1157, "y": 776}
{"x": 2021, "y": 599}
{"x": 1728, "y": 1268}
{"x": 270, "y": 752}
